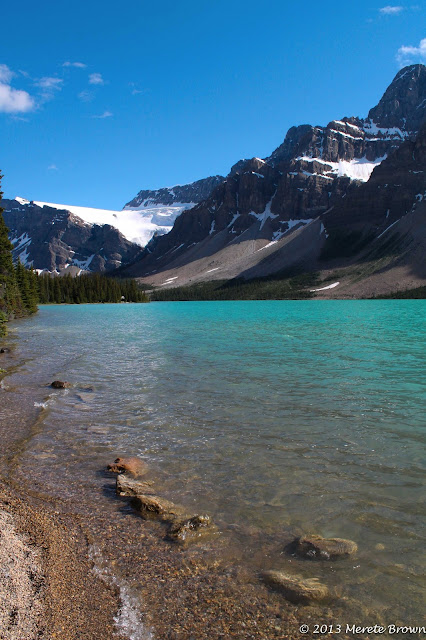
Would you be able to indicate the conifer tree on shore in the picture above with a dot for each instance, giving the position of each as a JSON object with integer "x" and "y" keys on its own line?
{"x": 10, "y": 298}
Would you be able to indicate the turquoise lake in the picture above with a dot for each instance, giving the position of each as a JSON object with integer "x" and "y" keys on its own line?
{"x": 276, "y": 417}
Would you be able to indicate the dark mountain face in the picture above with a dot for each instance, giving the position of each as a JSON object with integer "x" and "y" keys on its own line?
{"x": 404, "y": 102}
{"x": 312, "y": 172}
{"x": 395, "y": 186}
{"x": 194, "y": 192}
{"x": 54, "y": 239}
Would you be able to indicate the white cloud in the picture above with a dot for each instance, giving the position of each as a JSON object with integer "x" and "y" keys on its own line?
{"x": 96, "y": 78}
{"x": 389, "y": 10}
{"x": 105, "y": 114}
{"x": 409, "y": 55}
{"x": 78, "y": 65}
{"x": 14, "y": 100}
{"x": 6, "y": 74}
{"x": 52, "y": 167}
{"x": 49, "y": 83}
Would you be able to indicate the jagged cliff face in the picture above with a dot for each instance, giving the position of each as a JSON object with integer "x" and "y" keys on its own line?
{"x": 396, "y": 186}
{"x": 262, "y": 202}
{"x": 53, "y": 239}
{"x": 189, "y": 194}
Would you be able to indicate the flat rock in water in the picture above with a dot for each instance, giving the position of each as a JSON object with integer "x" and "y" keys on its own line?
{"x": 318, "y": 548}
{"x": 129, "y": 486}
{"x": 133, "y": 465}
{"x": 153, "y": 507}
{"x": 295, "y": 589}
{"x": 191, "y": 529}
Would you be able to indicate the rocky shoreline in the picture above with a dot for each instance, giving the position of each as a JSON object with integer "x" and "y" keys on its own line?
{"x": 132, "y": 555}
{"x": 59, "y": 579}
{"x": 50, "y": 589}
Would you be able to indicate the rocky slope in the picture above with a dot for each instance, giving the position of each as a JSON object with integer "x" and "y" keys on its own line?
{"x": 55, "y": 239}
{"x": 277, "y": 212}
{"x": 182, "y": 193}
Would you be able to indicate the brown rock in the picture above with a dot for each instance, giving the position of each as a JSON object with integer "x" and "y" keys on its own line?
{"x": 133, "y": 465}
{"x": 318, "y": 548}
{"x": 295, "y": 589}
{"x": 129, "y": 486}
{"x": 153, "y": 507}
{"x": 59, "y": 384}
{"x": 191, "y": 529}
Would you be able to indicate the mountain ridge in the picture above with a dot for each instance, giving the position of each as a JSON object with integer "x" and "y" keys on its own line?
{"x": 265, "y": 200}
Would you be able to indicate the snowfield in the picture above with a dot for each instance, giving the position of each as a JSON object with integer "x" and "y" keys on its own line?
{"x": 136, "y": 224}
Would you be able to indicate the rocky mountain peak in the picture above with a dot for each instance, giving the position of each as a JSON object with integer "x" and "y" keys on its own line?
{"x": 189, "y": 194}
{"x": 403, "y": 105}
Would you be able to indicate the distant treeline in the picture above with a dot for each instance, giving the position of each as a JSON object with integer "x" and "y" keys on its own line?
{"x": 88, "y": 288}
{"x": 275, "y": 287}
{"x": 413, "y": 294}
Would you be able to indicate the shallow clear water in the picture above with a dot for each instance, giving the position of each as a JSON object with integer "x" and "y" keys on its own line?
{"x": 275, "y": 417}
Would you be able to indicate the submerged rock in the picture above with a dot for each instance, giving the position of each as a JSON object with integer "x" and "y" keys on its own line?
{"x": 132, "y": 465}
{"x": 295, "y": 589}
{"x": 151, "y": 506}
{"x": 128, "y": 486}
{"x": 191, "y": 529}
{"x": 317, "y": 548}
{"x": 59, "y": 384}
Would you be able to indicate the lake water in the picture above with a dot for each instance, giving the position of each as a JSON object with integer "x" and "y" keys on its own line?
{"x": 277, "y": 418}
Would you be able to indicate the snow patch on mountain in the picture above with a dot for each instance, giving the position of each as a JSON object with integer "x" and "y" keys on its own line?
{"x": 356, "y": 169}
{"x": 137, "y": 225}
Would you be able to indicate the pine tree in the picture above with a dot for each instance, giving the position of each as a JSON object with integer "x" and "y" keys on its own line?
{"x": 10, "y": 298}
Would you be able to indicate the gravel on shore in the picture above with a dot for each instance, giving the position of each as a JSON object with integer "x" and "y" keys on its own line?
{"x": 48, "y": 588}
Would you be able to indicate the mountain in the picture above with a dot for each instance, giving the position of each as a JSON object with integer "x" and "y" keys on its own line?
{"x": 181, "y": 193}
{"x": 60, "y": 236}
{"x": 55, "y": 239}
{"x": 276, "y": 213}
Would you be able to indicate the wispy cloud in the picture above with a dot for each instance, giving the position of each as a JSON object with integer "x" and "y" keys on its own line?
{"x": 49, "y": 83}
{"x": 86, "y": 96}
{"x": 13, "y": 100}
{"x": 390, "y": 10}
{"x": 135, "y": 90}
{"x": 6, "y": 74}
{"x": 78, "y": 65}
{"x": 105, "y": 114}
{"x": 96, "y": 78}
{"x": 52, "y": 167}
{"x": 410, "y": 54}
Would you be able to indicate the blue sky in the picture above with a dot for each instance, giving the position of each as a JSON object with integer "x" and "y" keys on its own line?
{"x": 101, "y": 99}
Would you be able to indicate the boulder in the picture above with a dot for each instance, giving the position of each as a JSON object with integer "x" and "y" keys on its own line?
{"x": 132, "y": 465}
{"x": 191, "y": 529}
{"x": 128, "y": 486}
{"x": 59, "y": 384}
{"x": 317, "y": 548}
{"x": 296, "y": 589}
{"x": 152, "y": 507}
